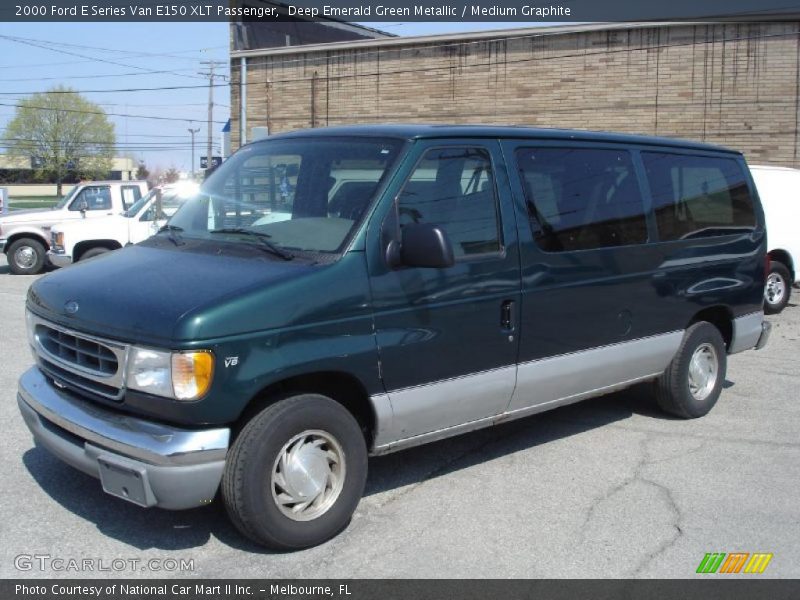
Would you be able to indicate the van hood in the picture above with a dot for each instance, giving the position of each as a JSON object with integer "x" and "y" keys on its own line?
{"x": 157, "y": 293}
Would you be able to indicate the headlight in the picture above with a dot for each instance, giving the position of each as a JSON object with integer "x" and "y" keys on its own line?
{"x": 29, "y": 325}
{"x": 58, "y": 239}
{"x": 30, "y": 328}
{"x": 179, "y": 375}
{"x": 191, "y": 374}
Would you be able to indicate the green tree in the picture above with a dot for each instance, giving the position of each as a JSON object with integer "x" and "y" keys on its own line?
{"x": 65, "y": 132}
{"x": 142, "y": 172}
{"x": 171, "y": 175}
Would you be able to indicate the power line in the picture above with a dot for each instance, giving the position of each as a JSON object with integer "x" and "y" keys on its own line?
{"x": 94, "y": 112}
{"x": 151, "y": 89}
{"x": 101, "y": 49}
{"x": 33, "y": 43}
{"x": 30, "y": 141}
{"x": 145, "y": 135}
{"x": 80, "y": 62}
{"x": 105, "y": 76}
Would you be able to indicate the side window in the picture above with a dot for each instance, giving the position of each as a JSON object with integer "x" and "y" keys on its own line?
{"x": 582, "y": 198}
{"x": 130, "y": 194}
{"x": 93, "y": 198}
{"x": 698, "y": 196}
{"x": 454, "y": 188}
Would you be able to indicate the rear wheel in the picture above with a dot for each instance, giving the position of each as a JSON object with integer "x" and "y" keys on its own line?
{"x": 26, "y": 256}
{"x": 777, "y": 289}
{"x": 691, "y": 385}
{"x": 296, "y": 473}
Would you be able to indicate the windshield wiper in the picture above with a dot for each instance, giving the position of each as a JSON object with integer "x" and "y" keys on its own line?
{"x": 263, "y": 239}
{"x": 173, "y": 233}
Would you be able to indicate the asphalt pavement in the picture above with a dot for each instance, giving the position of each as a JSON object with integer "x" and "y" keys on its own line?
{"x": 610, "y": 487}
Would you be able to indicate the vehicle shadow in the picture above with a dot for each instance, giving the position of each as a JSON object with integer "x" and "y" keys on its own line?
{"x": 180, "y": 530}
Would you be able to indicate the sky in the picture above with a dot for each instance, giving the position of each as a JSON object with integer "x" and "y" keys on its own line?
{"x": 96, "y": 58}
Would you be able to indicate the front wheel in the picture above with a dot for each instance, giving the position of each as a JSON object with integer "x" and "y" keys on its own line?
{"x": 92, "y": 252}
{"x": 296, "y": 473}
{"x": 692, "y": 383}
{"x": 778, "y": 288}
{"x": 26, "y": 256}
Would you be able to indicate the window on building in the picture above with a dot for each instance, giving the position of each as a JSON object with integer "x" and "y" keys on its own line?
{"x": 454, "y": 188}
{"x": 582, "y": 198}
{"x": 698, "y": 196}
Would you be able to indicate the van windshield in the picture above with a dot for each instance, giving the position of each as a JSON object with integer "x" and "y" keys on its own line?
{"x": 303, "y": 194}
{"x": 66, "y": 199}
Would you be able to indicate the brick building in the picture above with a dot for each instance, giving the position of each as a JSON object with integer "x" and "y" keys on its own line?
{"x": 734, "y": 84}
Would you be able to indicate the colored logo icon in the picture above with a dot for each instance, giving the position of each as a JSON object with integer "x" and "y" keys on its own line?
{"x": 735, "y": 562}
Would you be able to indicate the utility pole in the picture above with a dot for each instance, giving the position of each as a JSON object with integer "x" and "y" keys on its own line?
{"x": 211, "y": 64}
{"x": 193, "y": 131}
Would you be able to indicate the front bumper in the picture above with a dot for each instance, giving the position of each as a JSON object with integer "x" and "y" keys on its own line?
{"x": 59, "y": 260}
{"x": 749, "y": 331}
{"x": 147, "y": 463}
{"x": 766, "y": 330}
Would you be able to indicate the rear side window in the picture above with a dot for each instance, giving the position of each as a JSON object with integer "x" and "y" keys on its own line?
{"x": 698, "y": 196}
{"x": 454, "y": 188}
{"x": 130, "y": 194}
{"x": 582, "y": 198}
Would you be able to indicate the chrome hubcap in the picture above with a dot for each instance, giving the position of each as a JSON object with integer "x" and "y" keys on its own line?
{"x": 25, "y": 257}
{"x": 775, "y": 289}
{"x": 308, "y": 475}
{"x": 703, "y": 371}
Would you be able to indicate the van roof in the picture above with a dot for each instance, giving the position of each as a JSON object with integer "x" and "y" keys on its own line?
{"x": 417, "y": 131}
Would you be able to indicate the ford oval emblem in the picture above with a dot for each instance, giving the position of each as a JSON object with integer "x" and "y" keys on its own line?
{"x": 71, "y": 307}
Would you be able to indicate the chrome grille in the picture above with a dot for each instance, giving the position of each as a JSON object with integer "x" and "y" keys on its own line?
{"x": 83, "y": 353}
{"x": 80, "y": 362}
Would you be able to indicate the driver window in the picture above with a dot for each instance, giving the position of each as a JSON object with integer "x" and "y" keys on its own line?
{"x": 92, "y": 198}
{"x": 454, "y": 188}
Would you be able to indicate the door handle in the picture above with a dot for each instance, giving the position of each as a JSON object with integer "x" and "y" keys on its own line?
{"x": 507, "y": 315}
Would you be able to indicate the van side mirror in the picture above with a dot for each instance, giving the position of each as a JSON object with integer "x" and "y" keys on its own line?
{"x": 84, "y": 206}
{"x": 423, "y": 245}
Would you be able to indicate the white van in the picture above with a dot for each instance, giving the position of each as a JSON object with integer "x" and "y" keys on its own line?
{"x": 779, "y": 189}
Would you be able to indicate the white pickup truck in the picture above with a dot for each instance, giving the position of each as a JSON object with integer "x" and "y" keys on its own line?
{"x": 25, "y": 234}
{"x": 778, "y": 189}
{"x": 78, "y": 240}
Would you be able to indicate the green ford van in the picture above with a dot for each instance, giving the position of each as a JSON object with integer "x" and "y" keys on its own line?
{"x": 332, "y": 294}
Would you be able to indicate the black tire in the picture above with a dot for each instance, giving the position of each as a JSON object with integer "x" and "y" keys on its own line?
{"x": 778, "y": 288}
{"x": 92, "y": 252}
{"x": 26, "y": 256}
{"x": 672, "y": 388}
{"x": 247, "y": 482}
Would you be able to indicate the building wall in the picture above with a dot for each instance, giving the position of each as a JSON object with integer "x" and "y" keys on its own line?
{"x": 731, "y": 84}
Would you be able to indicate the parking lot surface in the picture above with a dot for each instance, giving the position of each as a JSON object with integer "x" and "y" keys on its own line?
{"x": 609, "y": 487}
